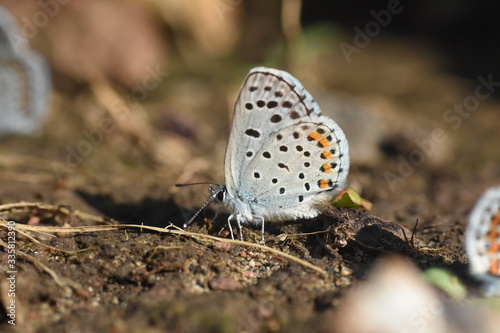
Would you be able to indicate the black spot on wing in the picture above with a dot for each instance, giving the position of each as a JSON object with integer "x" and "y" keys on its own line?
{"x": 276, "y": 118}
{"x": 272, "y": 104}
{"x": 252, "y": 132}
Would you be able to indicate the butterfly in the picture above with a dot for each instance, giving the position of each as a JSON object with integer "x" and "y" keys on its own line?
{"x": 284, "y": 159}
{"x": 482, "y": 241}
{"x": 25, "y": 82}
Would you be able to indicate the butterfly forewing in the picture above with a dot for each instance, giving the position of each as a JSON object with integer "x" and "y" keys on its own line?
{"x": 269, "y": 100}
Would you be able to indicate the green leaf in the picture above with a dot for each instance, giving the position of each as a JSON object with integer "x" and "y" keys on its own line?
{"x": 447, "y": 282}
{"x": 349, "y": 198}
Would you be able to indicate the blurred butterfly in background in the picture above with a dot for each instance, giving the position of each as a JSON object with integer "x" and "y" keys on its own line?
{"x": 482, "y": 241}
{"x": 24, "y": 81}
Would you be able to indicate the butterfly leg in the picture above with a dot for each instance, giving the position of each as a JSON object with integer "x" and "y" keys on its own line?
{"x": 230, "y": 227}
{"x": 262, "y": 230}
{"x": 239, "y": 219}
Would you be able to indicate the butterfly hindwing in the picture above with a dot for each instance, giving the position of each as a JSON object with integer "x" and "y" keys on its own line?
{"x": 296, "y": 164}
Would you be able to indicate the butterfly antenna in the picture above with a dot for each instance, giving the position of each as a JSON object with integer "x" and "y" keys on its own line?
{"x": 201, "y": 183}
{"x": 209, "y": 200}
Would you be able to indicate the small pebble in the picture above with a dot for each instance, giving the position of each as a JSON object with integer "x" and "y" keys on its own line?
{"x": 222, "y": 246}
{"x": 224, "y": 283}
{"x": 345, "y": 271}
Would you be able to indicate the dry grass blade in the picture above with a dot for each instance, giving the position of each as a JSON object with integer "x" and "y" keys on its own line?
{"x": 36, "y": 241}
{"x": 24, "y": 206}
{"x": 82, "y": 229}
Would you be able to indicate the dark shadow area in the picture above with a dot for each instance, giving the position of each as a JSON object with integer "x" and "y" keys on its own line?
{"x": 354, "y": 234}
{"x": 151, "y": 212}
{"x": 466, "y": 32}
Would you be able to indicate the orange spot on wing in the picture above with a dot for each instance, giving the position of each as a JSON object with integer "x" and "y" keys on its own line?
{"x": 323, "y": 183}
{"x": 326, "y": 155}
{"x": 494, "y": 267}
{"x": 494, "y": 234}
{"x": 324, "y": 142}
{"x": 326, "y": 167}
{"x": 314, "y": 136}
{"x": 492, "y": 237}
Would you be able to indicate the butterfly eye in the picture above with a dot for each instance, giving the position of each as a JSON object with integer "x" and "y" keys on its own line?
{"x": 221, "y": 195}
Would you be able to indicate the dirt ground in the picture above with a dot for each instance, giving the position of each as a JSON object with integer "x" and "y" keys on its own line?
{"x": 141, "y": 280}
